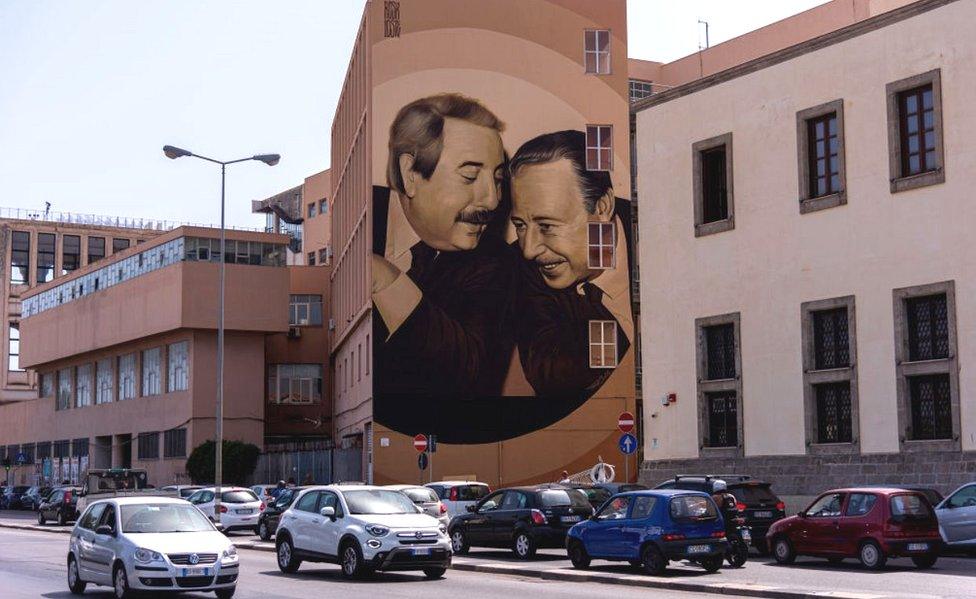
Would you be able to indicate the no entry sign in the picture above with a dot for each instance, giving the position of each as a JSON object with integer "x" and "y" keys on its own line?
{"x": 420, "y": 443}
{"x": 625, "y": 422}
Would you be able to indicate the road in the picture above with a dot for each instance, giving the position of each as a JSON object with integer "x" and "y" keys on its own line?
{"x": 32, "y": 565}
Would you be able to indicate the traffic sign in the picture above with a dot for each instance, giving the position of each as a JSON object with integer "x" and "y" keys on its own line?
{"x": 422, "y": 461}
{"x": 625, "y": 422}
{"x": 627, "y": 444}
{"x": 420, "y": 443}
{"x": 21, "y": 458}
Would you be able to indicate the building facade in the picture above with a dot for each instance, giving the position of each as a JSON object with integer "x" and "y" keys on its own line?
{"x": 808, "y": 291}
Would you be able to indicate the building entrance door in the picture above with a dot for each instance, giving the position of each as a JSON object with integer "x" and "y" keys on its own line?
{"x": 123, "y": 448}
{"x": 102, "y": 456}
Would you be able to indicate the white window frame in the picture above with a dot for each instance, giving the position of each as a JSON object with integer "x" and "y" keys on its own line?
{"x": 301, "y": 389}
{"x": 299, "y": 302}
{"x": 601, "y": 58}
{"x": 603, "y": 337}
{"x": 600, "y": 229}
{"x": 600, "y": 139}
{"x": 13, "y": 347}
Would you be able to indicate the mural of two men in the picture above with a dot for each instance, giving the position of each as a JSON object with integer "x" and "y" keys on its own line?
{"x": 453, "y": 299}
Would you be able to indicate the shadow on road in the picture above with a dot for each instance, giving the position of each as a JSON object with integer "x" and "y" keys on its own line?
{"x": 325, "y": 573}
{"x": 904, "y": 565}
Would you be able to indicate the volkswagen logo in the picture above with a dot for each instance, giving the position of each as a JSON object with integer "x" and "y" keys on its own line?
{"x": 194, "y": 559}
{"x": 419, "y": 534}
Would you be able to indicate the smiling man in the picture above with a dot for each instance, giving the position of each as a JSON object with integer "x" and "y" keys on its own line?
{"x": 441, "y": 280}
{"x": 574, "y": 315}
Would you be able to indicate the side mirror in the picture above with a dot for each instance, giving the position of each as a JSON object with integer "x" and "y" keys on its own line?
{"x": 328, "y": 512}
{"x": 472, "y": 508}
{"x": 106, "y": 530}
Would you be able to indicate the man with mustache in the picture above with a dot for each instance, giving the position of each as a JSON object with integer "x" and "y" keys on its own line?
{"x": 441, "y": 281}
{"x": 574, "y": 235}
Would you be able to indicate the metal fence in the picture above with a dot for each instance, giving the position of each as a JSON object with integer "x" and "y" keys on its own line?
{"x": 324, "y": 466}
{"x": 149, "y": 224}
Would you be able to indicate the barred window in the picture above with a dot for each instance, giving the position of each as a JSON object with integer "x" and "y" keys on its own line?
{"x": 830, "y": 337}
{"x": 127, "y": 376}
{"x": 174, "y": 443}
{"x": 61, "y": 448}
{"x": 928, "y": 328}
{"x": 603, "y": 344}
{"x": 65, "y": 388}
{"x": 79, "y": 447}
{"x": 720, "y": 351}
{"x": 305, "y": 310}
{"x": 602, "y": 245}
{"x": 834, "y": 413}
{"x": 43, "y": 450}
{"x": 148, "y": 446}
{"x": 152, "y": 371}
{"x": 84, "y": 383}
{"x": 104, "y": 381}
{"x": 723, "y": 429}
{"x": 596, "y": 51}
{"x": 295, "y": 383}
{"x": 931, "y": 407}
{"x": 599, "y": 147}
{"x": 177, "y": 376}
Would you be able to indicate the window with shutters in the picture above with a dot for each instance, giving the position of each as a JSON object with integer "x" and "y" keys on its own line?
{"x": 830, "y": 375}
{"x": 719, "y": 385}
{"x": 915, "y": 131}
{"x": 712, "y": 173}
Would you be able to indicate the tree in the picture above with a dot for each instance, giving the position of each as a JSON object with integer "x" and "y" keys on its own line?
{"x": 240, "y": 460}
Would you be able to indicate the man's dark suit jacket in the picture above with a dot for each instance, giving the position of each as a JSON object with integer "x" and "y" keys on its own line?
{"x": 553, "y": 329}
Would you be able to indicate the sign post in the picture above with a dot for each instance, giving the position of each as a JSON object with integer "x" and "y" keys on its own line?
{"x": 628, "y": 442}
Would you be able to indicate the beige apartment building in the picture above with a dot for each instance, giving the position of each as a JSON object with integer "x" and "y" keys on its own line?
{"x": 808, "y": 284}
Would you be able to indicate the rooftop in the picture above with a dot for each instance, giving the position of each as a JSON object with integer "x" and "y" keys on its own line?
{"x": 96, "y": 220}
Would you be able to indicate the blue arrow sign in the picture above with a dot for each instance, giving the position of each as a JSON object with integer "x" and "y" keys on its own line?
{"x": 422, "y": 461}
{"x": 627, "y": 444}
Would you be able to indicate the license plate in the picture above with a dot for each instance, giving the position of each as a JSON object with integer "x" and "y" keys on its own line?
{"x": 421, "y": 551}
{"x": 918, "y": 546}
{"x": 762, "y": 514}
{"x": 692, "y": 549}
{"x": 746, "y": 535}
{"x": 197, "y": 572}
{"x": 245, "y": 511}
{"x": 569, "y": 519}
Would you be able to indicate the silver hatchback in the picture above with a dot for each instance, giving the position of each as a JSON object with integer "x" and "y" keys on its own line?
{"x": 957, "y": 517}
{"x": 150, "y": 544}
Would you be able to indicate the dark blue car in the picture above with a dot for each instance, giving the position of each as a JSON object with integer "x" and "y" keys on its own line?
{"x": 651, "y": 528}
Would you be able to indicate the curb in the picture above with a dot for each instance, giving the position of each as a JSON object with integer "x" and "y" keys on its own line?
{"x": 36, "y": 527}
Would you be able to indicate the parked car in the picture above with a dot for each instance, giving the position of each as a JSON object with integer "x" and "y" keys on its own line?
{"x": 957, "y": 517}
{"x": 457, "y": 495}
{"x": 264, "y": 491}
{"x": 363, "y": 529}
{"x": 595, "y": 494}
{"x": 16, "y": 498}
{"x": 426, "y": 499}
{"x": 651, "y": 528}
{"x": 35, "y": 495}
{"x": 61, "y": 505}
{"x": 754, "y": 498}
{"x": 269, "y": 518}
{"x": 239, "y": 507}
{"x": 144, "y": 543}
{"x": 182, "y": 491}
{"x": 615, "y": 488}
{"x": 870, "y": 524}
{"x": 521, "y": 518}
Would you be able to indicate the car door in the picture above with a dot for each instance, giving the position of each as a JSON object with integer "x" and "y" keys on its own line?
{"x": 85, "y": 535}
{"x": 957, "y": 516}
{"x": 853, "y": 525}
{"x": 478, "y": 527}
{"x": 325, "y": 537}
{"x": 504, "y": 518}
{"x": 104, "y": 546}
{"x": 303, "y": 519}
{"x": 602, "y": 537}
{"x": 819, "y": 532}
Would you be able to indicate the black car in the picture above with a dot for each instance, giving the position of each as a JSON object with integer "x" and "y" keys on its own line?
{"x": 268, "y": 520}
{"x": 61, "y": 505}
{"x": 754, "y": 498}
{"x": 14, "y": 498}
{"x": 35, "y": 495}
{"x": 595, "y": 494}
{"x": 521, "y": 518}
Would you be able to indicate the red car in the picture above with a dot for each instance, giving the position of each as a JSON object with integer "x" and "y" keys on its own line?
{"x": 871, "y": 524}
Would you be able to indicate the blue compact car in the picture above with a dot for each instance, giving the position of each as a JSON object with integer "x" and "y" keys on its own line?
{"x": 651, "y": 528}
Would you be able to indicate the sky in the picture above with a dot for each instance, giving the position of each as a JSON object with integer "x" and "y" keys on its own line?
{"x": 90, "y": 91}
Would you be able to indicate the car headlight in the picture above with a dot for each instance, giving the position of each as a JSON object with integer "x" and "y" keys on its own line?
{"x": 146, "y": 556}
{"x": 230, "y": 552}
{"x": 377, "y": 531}
{"x": 443, "y": 529}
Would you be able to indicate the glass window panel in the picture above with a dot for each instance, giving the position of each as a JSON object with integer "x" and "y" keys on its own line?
{"x": 151, "y": 371}
{"x": 45, "y": 257}
{"x": 911, "y": 103}
{"x": 20, "y": 257}
{"x": 65, "y": 389}
{"x": 177, "y": 378}
{"x": 127, "y": 376}
{"x": 927, "y": 98}
{"x": 104, "y": 385}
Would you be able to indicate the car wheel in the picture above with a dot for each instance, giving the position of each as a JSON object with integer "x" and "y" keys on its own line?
{"x": 75, "y": 584}
{"x": 712, "y": 563}
{"x": 737, "y": 554}
{"x": 41, "y": 520}
{"x": 925, "y": 561}
{"x": 121, "y": 583}
{"x": 351, "y": 560}
{"x": 434, "y": 573}
{"x": 578, "y": 556}
{"x": 459, "y": 542}
{"x": 653, "y": 561}
{"x": 62, "y": 518}
{"x": 871, "y": 556}
{"x": 523, "y": 546}
{"x": 263, "y": 531}
{"x": 287, "y": 562}
{"x": 225, "y": 593}
{"x": 783, "y": 551}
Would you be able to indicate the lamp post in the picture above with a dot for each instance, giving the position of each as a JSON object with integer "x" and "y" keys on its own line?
{"x": 271, "y": 160}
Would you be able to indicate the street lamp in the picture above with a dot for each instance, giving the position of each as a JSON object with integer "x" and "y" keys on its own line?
{"x": 271, "y": 160}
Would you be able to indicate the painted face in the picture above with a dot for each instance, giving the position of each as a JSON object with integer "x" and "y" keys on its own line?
{"x": 551, "y": 222}
{"x": 451, "y": 210}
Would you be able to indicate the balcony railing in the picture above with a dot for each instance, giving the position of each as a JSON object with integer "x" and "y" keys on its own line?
{"x": 123, "y": 222}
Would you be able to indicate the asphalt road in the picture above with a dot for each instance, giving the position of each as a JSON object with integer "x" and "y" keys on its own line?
{"x": 32, "y": 564}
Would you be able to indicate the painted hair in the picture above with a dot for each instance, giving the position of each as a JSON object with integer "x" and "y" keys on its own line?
{"x": 570, "y": 145}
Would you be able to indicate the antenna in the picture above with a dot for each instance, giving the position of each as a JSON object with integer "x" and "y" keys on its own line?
{"x": 705, "y": 23}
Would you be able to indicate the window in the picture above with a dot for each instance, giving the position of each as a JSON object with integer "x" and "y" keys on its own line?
{"x": 712, "y": 166}
{"x": 324, "y": 256}
{"x": 964, "y": 497}
{"x": 368, "y": 352}
{"x": 860, "y": 504}
{"x": 311, "y": 210}
{"x": 65, "y": 385}
{"x": 927, "y": 367}
{"x": 152, "y": 371}
{"x": 148, "y": 446}
{"x": 596, "y": 51}
{"x": 174, "y": 443}
{"x": 43, "y": 450}
{"x": 311, "y": 258}
{"x": 643, "y": 506}
{"x": 823, "y": 149}
{"x": 831, "y": 339}
{"x": 45, "y": 257}
{"x": 47, "y": 384}
{"x": 719, "y": 384}
{"x": 827, "y": 506}
{"x": 352, "y": 379}
{"x": 96, "y": 249}
{"x": 820, "y": 149}
{"x": 829, "y": 375}
{"x": 177, "y": 376}
{"x": 603, "y": 344}
{"x": 359, "y": 365}
{"x": 13, "y": 348}
{"x": 84, "y": 384}
{"x": 323, "y": 206}
{"x": 20, "y": 258}
{"x": 79, "y": 447}
{"x": 119, "y": 244}
{"x": 616, "y": 509}
{"x": 640, "y": 90}
{"x": 61, "y": 448}
{"x": 599, "y": 147}
{"x": 915, "y": 131}
{"x": 602, "y": 244}
{"x": 305, "y": 310}
{"x": 295, "y": 383}
{"x": 833, "y": 412}
{"x": 127, "y": 376}
{"x": 70, "y": 253}
{"x": 104, "y": 381}
{"x": 92, "y": 516}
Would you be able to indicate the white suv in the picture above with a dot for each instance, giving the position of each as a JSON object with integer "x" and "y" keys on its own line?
{"x": 363, "y": 529}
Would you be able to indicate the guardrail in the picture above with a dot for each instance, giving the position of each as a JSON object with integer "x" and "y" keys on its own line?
{"x": 125, "y": 222}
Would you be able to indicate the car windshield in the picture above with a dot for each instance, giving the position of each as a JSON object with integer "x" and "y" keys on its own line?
{"x": 563, "y": 498}
{"x": 421, "y": 495}
{"x": 910, "y": 506}
{"x": 242, "y": 496}
{"x": 379, "y": 501}
{"x": 693, "y": 507}
{"x": 187, "y": 491}
{"x": 163, "y": 517}
{"x": 749, "y": 494}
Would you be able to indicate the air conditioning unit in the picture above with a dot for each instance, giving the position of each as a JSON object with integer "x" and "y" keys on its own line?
{"x": 294, "y": 332}
{"x": 331, "y": 324}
